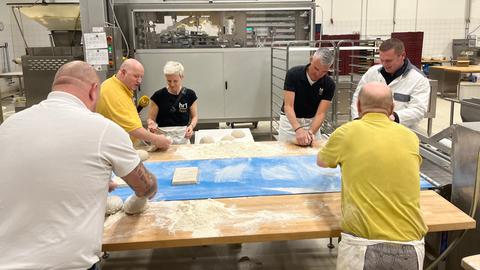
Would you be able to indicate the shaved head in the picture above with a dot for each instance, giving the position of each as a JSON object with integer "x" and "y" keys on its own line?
{"x": 79, "y": 79}
{"x": 75, "y": 72}
{"x": 375, "y": 97}
{"x": 131, "y": 73}
{"x": 130, "y": 64}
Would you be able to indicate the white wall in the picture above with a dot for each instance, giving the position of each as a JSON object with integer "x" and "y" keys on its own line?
{"x": 440, "y": 20}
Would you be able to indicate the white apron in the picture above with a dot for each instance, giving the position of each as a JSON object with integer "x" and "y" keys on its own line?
{"x": 286, "y": 133}
{"x": 177, "y": 133}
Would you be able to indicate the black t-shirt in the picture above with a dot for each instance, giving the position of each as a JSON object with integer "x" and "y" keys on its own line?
{"x": 167, "y": 116}
{"x": 307, "y": 97}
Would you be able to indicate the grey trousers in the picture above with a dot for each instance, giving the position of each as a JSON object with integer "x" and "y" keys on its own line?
{"x": 388, "y": 256}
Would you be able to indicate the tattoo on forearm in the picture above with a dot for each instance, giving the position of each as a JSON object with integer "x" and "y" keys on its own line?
{"x": 143, "y": 181}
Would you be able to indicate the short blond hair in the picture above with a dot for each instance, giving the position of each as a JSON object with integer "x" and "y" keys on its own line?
{"x": 173, "y": 68}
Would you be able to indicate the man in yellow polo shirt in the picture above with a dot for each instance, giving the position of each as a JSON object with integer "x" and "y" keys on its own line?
{"x": 382, "y": 223}
{"x": 116, "y": 103}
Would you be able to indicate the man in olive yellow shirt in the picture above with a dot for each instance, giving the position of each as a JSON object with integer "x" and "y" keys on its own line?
{"x": 116, "y": 103}
{"x": 382, "y": 222}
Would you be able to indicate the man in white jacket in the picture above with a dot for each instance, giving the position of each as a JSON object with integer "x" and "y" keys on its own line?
{"x": 410, "y": 87}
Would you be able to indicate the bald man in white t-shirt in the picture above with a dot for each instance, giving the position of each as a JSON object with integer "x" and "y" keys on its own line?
{"x": 56, "y": 161}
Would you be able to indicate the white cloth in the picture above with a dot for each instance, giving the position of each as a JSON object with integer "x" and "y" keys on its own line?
{"x": 56, "y": 159}
{"x": 177, "y": 133}
{"x": 412, "y": 84}
{"x": 351, "y": 251}
{"x": 286, "y": 133}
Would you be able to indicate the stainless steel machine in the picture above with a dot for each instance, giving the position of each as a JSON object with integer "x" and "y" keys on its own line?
{"x": 466, "y": 165}
{"x": 63, "y": 20}
{"x": 466, "y": 49}
{"x": 40, "y": 64}
{"x": 222, "y": 45}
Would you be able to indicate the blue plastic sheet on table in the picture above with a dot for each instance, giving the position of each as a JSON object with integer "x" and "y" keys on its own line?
{"x": 243, "y": 177}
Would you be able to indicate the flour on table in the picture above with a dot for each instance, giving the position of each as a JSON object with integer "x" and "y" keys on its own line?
{"x": 232, "y": 149}
{"x": 280, "y": 172}
{"x": 200, "y": 217}
{"x": 204, "y": 218}
{"x": 230, "y": 172}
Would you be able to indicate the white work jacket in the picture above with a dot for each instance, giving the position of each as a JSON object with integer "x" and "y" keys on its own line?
{"x": 411, "y": 93}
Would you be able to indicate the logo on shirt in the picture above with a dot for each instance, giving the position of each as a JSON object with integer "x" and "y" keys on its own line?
{"x": 320, "y": 91}
{"x": 182, "y": 107}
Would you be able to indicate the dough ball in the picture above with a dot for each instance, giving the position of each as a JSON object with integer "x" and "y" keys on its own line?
{"x": 238, "y": 134}
{"x": 207, "y": 139}
{"x": 135, "y": 205}
{"x": 143, "y": 154}
{"x": 228, "y": 138}
{"x": 114, "y": 204}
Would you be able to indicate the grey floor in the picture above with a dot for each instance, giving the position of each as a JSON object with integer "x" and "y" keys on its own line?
{"x": 302, "y": 254}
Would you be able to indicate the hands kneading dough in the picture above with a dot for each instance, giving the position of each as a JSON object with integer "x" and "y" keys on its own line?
{"x": 135, "y": 205}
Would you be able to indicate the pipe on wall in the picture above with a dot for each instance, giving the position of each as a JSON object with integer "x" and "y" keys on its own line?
{"x": 468, "y": 14}
{"x": 394, "y": 22}
{"x": 416, "y": 16}
{"x": 366, "y": 18}
{"x": 361, "y": 17}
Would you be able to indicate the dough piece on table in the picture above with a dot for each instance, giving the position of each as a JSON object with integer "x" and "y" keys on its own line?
{"x": 185, "y": 176}
{"x": 238, "y": 134}
{"x": 207, "y": 139}
{"x": 228, "y": 138}
{"x": 143, "y": 154}
{"x": 114, "y": 204}
{"x": 135, "y": 205}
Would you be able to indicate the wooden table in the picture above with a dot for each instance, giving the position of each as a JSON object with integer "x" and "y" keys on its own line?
{"x": 471, "y": 262}
{"x": 448, "y": 77}
{"x": 249, "y": 219}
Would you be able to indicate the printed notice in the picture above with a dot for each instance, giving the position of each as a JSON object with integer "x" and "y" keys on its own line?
{"x": 95, "y": 40}
{"x": 97, "y": 57}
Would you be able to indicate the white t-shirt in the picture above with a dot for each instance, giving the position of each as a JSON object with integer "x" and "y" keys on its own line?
{"x": 56, "y": 159}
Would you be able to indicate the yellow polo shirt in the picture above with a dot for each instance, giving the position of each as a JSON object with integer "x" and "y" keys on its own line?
{"x": 116, "y": 103}
{"x": 380, "y": 165}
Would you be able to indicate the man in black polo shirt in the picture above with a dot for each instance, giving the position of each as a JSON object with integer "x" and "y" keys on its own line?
{"x": 307, "y": 97}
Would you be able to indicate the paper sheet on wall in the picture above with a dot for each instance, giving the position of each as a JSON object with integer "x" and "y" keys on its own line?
{"x": 97, "y": 56}
{"x": 95, "y": 40}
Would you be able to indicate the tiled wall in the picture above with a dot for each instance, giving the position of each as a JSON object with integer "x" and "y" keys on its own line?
{"x": 441, "y": 21}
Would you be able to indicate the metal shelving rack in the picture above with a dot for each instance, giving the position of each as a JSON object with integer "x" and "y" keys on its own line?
{"x": 339, "y": 113}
